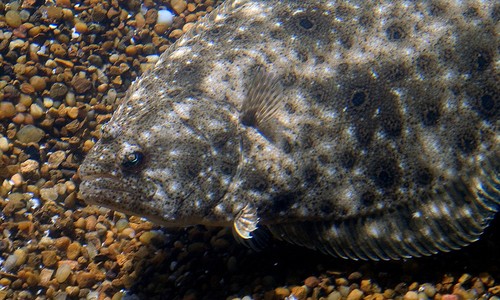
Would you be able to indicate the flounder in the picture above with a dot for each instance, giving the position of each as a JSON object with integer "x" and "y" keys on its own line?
{"x": 363, "y": 129}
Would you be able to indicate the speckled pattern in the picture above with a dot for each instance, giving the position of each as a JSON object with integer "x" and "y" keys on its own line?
{"x": 386, "y": 145}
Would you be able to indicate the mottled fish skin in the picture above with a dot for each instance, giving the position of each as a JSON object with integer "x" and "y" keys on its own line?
{"x": 384, "y": 143}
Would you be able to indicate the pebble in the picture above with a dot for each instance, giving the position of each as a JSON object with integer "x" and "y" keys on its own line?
{"x": 411, "y": 295}
{"x": 7, "y": 110}
{"x": 48, "y": 102}
{"x": 21, "y": 255}
{"x": 311, "y": 281}
{"x": 36, "y": 111}
{"x": 27, "y": 88}
{"x": 49, "y": 258}
{"x": 335, "y": 295}
{"x": 38, "y": 83}
{"x": 281, "y": 292}
{"x": 428, "y": 289}
{"x": 81, "y": 27}
{"x": 299, "y": 292}
{"x": 17, "y": 180}
{"x": 85, "y": 279}
{"x": 73, "y": 250}
{"x": 49, "y": 194}
{"x": 56, "y": 158}
{"x": 30, "y": 134}
{"x": 179, "y": 6}
{"x": 58, "y": 90}
{"x": 62, "y": 243}
{"x": 81, "y": 84}
{"x": 13, "y": 19}
{"x": 63, "y": 272}
{"x": 355, "y": 295}
{"x": 4, "y": 144}
{"x": 10, "y": 262}
{"x": 165, "y": 17}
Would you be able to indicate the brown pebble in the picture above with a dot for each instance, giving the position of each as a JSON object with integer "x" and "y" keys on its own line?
{"x": 63, "y": 3}
{"x": 54, "y": 13}
{"x": 17, "y": 179}
{"x": 73, "y": 291}
{"x": 495, "y": 290}
{"x": 281, "y": 293}
{"x": 355, "y": 295}
{"x": 175, "y": 34}
{"x": 7, "y": 110}
{"x": 179, "y": 6}
{"x": 22, "y": 256}
{"x": 38, "y": 83}
{"x": 85, "y": 279}
{"x": 27, "y": 88}
{"x": 18, "y": 118}
{"x": 29, "y": 168}
{"x": 80, "y": 84}
{"x": 58, "y": 50}
{"x": 354, "y": 276}
{"x": 49, "y": 258}
{"x": 311, "y": 281}
{"x": 411, "y": 295}
{"x": 56, "y": 158}
{"x": 58, "y": 90}
{"x": 73, "y": 250}
{"x": 300, "y": 292}
{"x": 13, "y": 19}
{"x": 131, "y": 50}
{"x": 487, "y": 279}
{"x": 62, "y": 243}
{"x": 161, "y": 28}
{"x": 81, "y": 27}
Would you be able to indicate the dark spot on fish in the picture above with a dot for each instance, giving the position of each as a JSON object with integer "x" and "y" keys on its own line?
{"x": 394, "y": 72}
{"x": 358, "y": 98}
{"x": 326, "y": 208}
{"x": 424, "y": 176}
{"x": 310, "y": 174}
{"x": 306, "y": 23}
{"x": 286, "y": 146}
{"x": 384, "y": 171}
{"x": 483, "y": 60}
{"x": 284, "y": 201}
{"x": 347, "y": 160}
{"x": 395, "y": 33}
{"x": 368, "y": 198}
{"x": 487, "y": 102}
{"x": 391, "y": 119}
{"x": 427, "y": 65}
{"x": 466, "y": 141}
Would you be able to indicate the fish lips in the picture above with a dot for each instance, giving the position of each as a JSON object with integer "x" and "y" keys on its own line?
{"x": 113, "y": 193}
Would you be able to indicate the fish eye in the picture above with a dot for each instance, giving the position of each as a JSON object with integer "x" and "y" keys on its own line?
{"x": 132, "y": 160}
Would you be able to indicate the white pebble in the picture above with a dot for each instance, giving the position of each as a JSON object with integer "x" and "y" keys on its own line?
{"x": 165, "y": 17}
{"x": 152, "y": 58}
{"x": 4, "y": 144}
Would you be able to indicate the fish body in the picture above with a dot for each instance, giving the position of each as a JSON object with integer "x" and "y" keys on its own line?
{"x": 366, "y": 130}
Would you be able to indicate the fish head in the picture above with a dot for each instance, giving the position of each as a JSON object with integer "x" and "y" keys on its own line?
{"x": 171, "y": 163}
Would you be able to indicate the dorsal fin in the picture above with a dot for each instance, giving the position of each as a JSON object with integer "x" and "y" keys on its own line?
{"x": 264, "y": 97}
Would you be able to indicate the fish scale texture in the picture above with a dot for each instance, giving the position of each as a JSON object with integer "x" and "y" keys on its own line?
{"x": 385, "y": 145}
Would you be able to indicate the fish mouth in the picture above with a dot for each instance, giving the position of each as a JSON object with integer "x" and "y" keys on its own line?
{"x": 108, "y": 191}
